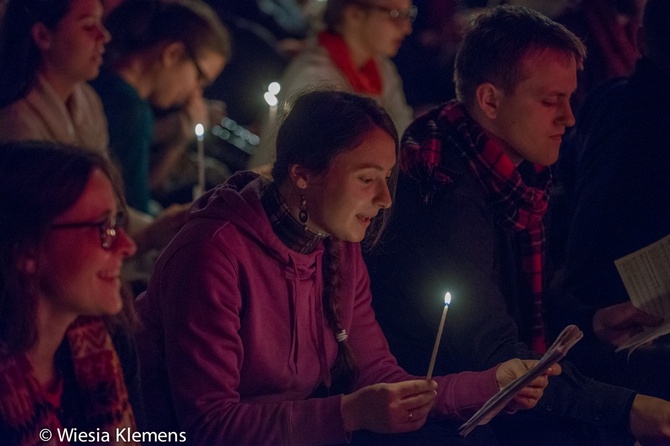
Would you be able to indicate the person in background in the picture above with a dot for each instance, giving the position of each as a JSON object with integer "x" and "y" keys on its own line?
{"x": 66, "y": 359}
{"x": 257, "y": 325}
{"x": 352, "y": 54}
{"x": 469, "y": 219}
{"x": 48, "y": 50}
{"x": 608, "y": 28}
{"x": 612, "y": 183}
{"x": 163, "y": 53}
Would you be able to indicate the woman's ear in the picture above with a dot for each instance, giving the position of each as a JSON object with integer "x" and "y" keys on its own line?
{"x": 353, "y": 17}
{"x": 41, "y": 36}
{"x": 172, "y": 53}
{"x": 298, "y": 175}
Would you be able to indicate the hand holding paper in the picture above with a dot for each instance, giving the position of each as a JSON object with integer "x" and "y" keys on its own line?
{"x": 568, "y": 337}
{"x": 647, "y": 281}
{"x": 617, "y": 324}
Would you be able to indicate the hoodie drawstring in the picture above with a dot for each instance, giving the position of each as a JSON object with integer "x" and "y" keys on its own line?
{"x": 321, "y": 324}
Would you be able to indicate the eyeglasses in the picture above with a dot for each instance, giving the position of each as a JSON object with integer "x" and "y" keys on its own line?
{"x": 203, "y": 80}
{"x": 109, "y": 228}
{"x": 395, "y": 14}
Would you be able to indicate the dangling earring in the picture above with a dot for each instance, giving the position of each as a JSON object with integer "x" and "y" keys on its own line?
{"x": 302, "y": 215}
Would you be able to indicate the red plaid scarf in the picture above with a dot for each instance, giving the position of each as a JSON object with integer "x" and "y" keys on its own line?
{"x": 366, "y": 80}
{"x": 518, "y": 207}
{"x": 25, "y": 408}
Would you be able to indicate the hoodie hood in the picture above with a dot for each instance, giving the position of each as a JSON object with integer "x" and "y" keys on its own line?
{"x": 238, "y": 201}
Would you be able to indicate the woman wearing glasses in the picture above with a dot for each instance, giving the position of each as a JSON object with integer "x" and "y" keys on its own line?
{"x": 48, "y": 50}
{"x": 162, "y": 54}
{"x": 61, "y": 250}
{"x": 353, "y": 54}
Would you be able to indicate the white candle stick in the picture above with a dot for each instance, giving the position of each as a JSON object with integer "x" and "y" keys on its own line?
{"x": 447, "y": 300}
{"x": 200, "y": 187}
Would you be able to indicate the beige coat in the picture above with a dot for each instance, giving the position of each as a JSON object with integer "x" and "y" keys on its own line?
{"x": 41, "y": 115}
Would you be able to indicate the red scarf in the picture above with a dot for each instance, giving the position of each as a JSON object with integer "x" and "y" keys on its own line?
{"x": 518, "y": 207}
{"x": 367, "y": 80}
{"x": 25, "y": 408}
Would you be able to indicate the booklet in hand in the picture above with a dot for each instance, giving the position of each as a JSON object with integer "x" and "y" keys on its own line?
{"x": 645, "y": 275}
{"x": 568, "y": 337}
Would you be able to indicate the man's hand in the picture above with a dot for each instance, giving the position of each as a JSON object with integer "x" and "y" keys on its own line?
{"x": 616, "y": 324}
{"x": 528, "y": 397}
{"x": 650, "y": 421}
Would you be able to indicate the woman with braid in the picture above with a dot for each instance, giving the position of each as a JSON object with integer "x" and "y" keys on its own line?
{"x": 257, "y": 321}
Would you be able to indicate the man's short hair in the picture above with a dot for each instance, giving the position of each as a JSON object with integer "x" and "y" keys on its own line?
{"x": 496, "y": 43}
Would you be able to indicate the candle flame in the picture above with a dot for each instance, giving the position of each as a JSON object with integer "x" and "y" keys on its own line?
{"x": 447, "y": 299}
{"x": 199, "y": 130}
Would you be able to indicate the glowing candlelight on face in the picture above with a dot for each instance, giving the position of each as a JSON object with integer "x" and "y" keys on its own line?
{"x": 447, "y": 300}
{"x": 200, "y": 187}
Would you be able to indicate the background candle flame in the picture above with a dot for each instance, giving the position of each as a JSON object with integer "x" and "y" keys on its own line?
{"x": 199, "y": 130}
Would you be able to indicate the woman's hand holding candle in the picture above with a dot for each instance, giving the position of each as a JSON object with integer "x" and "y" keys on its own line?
{"x": 389, "y": 407}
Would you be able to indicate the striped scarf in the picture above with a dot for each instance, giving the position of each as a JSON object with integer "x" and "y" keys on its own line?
{"x": 26, "y": 409}
{"x": 517, "y": 206}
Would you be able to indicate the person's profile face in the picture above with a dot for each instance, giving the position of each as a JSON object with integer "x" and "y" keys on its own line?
{"x": 74, "y": 48}
{"x": 343, "y": 200}
{"x": 190, "y": 75}
{"x": 533, "y": 118}
{"x": 387, "y": 24}
{"x": 75, "y": 273}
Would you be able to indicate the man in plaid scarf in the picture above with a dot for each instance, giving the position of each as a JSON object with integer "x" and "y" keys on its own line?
{"x": 469, "y": 219}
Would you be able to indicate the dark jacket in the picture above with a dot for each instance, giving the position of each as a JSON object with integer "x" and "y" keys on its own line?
{"x": 615, "y": 187}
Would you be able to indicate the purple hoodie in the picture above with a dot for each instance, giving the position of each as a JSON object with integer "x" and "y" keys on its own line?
{"x": 235, "y": 340}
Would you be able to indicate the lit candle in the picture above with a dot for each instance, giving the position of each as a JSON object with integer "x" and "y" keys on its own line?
{"x": 447, "y": 300}
{"x": 200, "y": 187}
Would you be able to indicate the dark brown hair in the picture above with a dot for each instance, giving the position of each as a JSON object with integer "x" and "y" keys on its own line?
{"x": 20, "y": 57}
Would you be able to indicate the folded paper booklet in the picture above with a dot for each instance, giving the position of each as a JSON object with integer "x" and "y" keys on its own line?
{"x": 646, "y": 275}
{"x": 568, "y": 337}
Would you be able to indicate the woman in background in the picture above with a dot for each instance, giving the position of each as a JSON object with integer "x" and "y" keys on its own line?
{"x": 48, "y": 50}
{"x": 352, "y": 54}
{"x": 162, "y": 54}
